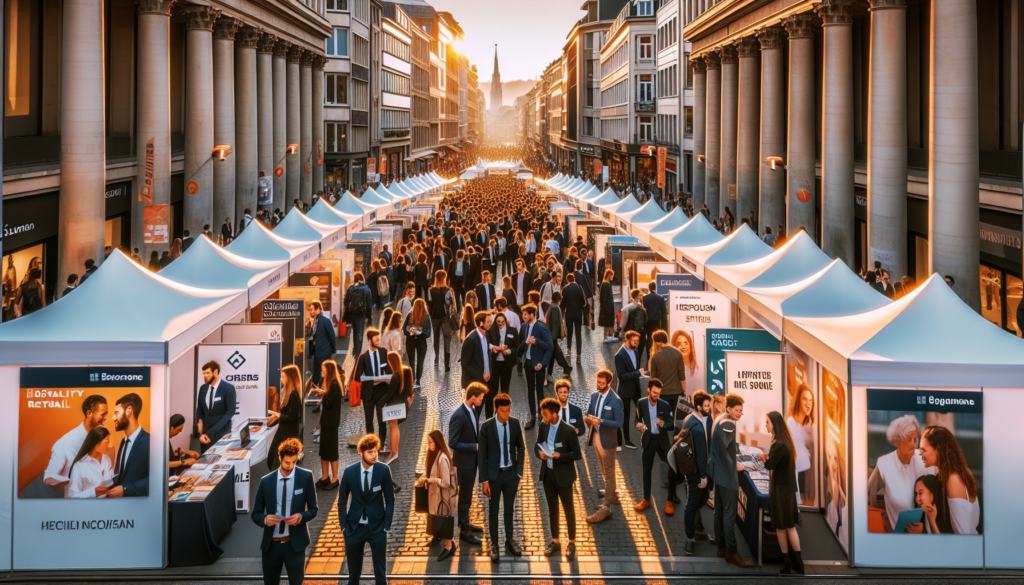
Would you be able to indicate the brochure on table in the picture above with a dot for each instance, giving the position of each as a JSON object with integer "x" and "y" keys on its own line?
{"x": 229, "y": 450}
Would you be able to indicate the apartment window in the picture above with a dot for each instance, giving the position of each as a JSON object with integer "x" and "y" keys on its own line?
{"x": 393, "y": 83}
{"x": 336, "y": 89}
{"x": 588, "y": 126}
{"x": 394, "y": 119}
{"x": 337, "y": 5}
{"x": 337, "y": 44}
{"x": 645, "y": 48}
{"x": 22, "y": 87}
{"x": 590, "y": 41}
{"x": 645, "y": 89}
{"x": 689, "y": 121}
{"x": 336, "y": 136}
{"x": 646, "y": 128}
{"x": 396, "y": 47}
{"x": 590, "y": 98}
{"x": 689, "y": 71}
{"x": 645, "y": 8}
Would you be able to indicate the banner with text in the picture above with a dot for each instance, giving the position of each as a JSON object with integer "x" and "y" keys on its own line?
{"x": 244, "y": 366}
{"x": 690, "y": 315}
{"x": 759, "y": 378}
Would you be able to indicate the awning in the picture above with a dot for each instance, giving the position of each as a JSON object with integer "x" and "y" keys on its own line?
{"x": 453, "y": 147}
{"x": 420, "y": 155}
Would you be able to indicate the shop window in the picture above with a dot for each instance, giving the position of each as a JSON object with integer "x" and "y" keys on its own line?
{"x": 1014, "y": 291}
{"x": 22, "y": 71}
{"x": 1000, "y": 298}
{"x": 16, "y": 267}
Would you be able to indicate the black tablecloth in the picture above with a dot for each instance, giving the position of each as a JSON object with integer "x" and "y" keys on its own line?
{"x": 752, "y": 504}
{"x": 197, "y": 527}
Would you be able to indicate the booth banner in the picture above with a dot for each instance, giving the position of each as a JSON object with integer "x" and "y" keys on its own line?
{"x": 925, "y": 458}
{"x": 759, "y": 378}
{"x": 648, "y": 272}
{"x": 833, "y": 414}
{"x": 291, "y": 313}
{"x": 664, "y": 283}
{"x": 308, "y": 294}
{"x": 244, "y": 366}
{"x": 323, "y": 281}
{"x": 269, "y": 333}
{"x": 720, "y": 341}
{"x": 802, "y": 416}
{"x": 690, "y": 315}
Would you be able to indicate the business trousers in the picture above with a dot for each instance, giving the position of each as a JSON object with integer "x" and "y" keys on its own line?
{"x": 460, "y": 294}
{"x": 649, "y": 455}
{"x": 501, "y": 379}
{"x": 358, "y": 327}
{"x": 467, "y": 481}
{"x": 696, "y": 498}
{"x": 370, "y": 407}
{"x": 417, "y": 351}
{"x": 534, "y": 385}
{"x": 503, "y": 492}
{"x": 282, "y": 554}
{"x": 574, "y": 324}
{"x": 589, "y": 311}
{"x": 558, "y": 356}
{"x": 439, "y": 331}
{"x": 355, "y": 545}
{"x": 318, "y": 363}
{"x": 606, "y": 462}
{"x": 725, "y": 516}
{"x": 629, "y": 404}
{"x": 553, "y": 493}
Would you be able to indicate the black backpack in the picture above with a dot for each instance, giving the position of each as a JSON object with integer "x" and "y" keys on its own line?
{"x": 638, "y": 320}
{"x": 686, "y": 459}
{"x": 356, "y": 301}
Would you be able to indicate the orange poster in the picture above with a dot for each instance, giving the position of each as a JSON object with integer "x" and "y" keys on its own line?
{"x": 156, "y": 224}
{"x": 662, "y": 157}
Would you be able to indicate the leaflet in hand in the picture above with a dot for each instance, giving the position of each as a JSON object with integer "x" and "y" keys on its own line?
{"x": 386, "y": 378}
{"x": 546, "y": 451}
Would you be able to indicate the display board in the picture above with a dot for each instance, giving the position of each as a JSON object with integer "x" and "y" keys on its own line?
{"x": 803, "y": 414}
{"x": 269, "y": 333}
{"x": 664, "y": 283}
{"x": 644, "y": 273}
{"x": 833, "y": 429}
{"x": 363, "y": 258}
{"x": 324, "y": 282}
{"x": 759, "y": 377}
{"x": 721, "y": 340}
{"x": 244, "y": 366}
{"x": 628, "y": 259}
{"x": 292, "y": 314}
{"x": 308, "y": 294}
{"x": 690, "y": 315}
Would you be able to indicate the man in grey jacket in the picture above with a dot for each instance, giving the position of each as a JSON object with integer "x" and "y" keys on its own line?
{"x": 724, "y": 471}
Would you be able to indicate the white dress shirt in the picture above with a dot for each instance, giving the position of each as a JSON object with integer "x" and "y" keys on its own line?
{"x": 487, "y": 351}
{"x": 529, "y": 334}
{"x": 512, "y": 319}
{"x": 653, "y": 409}
{"x": 62, "y": 454}
{"x": 89, "y": 473}
{"x": 552, "y": 431}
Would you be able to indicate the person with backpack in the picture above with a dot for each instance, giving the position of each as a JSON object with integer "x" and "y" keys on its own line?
{"x": 698, "y": 484}
{"x": 634, "y": 318}
{"x": 358, "y": 308}
{"x": 31, "y": 295}
{"x": 444, "y": 316}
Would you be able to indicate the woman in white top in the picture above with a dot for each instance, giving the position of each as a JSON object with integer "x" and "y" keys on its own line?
{"x": 801, "y": 427}
{"x": 405, "y": 303}
{"x": 896, "y": 473}
{"x": 393, "y": 339}
{"x": 552, "y": 286}
{"x": 91, "y": 467}
{"x": 940, "y": 450}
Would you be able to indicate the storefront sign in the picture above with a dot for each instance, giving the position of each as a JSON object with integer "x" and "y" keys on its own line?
{"x": 597, "y": 167}
{"x": 371, "y": 165}
{"x": 117, "y": 199}
{"x": 384, "y": 165}
{"x": 691, "y": 314}
{"x": 156, "y": 224}
{"x": 589, "y": 150}
{"x": 1001, "y": 242}
{"x": 28, "y": 220}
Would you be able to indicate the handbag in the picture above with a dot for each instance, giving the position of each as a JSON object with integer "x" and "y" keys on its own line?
{"x": 422, "y": 496}
{"x": 343, "y": 329}
{"x": 440, "y": 525}
{"x": 354, "y": 390}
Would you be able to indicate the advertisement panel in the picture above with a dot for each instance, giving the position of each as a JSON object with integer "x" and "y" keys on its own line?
{"x": 323, "y": 281}
{"x": 721, "y": 340}
{"x": 648, "y": 272}
{"x": 156, "y": 224}
{"x": 244, "y": 366}
{"x": 833, "y": 414}
{"x": 664, "y": 283}
{"x": 269, "y": 333}
{"x": 759, "y": 378}
{"x": 802, "y": 416}
{"x": 291, "y": 313}
{"x": 690, "y": 315}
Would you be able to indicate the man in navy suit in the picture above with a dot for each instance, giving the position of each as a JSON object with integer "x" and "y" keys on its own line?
{"x": 217, "y": 403}
{"x": 569, "y": 413}
{"x": 131, "y": 467}
{"x": 485, "y": 292}
{"x": 463, "y": 438}
{"x": 656, "y": 423}
{"x": 368, "y": 518}
{"x": 604, "y": 417}
{"x": 323, "y": 341}
{"x": 501, "y": 457}
{"x": 285, "y": 502}
{"x": 697, "y": 485}
{"x": 558, "y": 472}
{"x": 629, "y": 369}
{"x": 536, "y": 349}
{"x": 476, "y": 352}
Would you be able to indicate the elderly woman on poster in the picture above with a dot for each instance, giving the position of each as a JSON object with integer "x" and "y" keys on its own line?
{"x": 897, "y": 472}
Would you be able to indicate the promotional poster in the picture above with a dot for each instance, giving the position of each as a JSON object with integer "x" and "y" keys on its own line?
{"x": 648, "y": 272}
{"x": 925, "y": 461}
{"x": 307, "y": 294}
{"x": 291, "y": 313}
{"x": 244, "y": 366}
{"x": 721, "y": 340}
{"x": 269, "y": 333}
{"x": 71, "y": 427}
{"x": 802, "y": 415}
{"x": 323, "y": 281}
{"x": 834, "y": 500}
{"x": 759, "y": 378}
{"x": 690, "y": 315}
{"x": 669, "y": 282}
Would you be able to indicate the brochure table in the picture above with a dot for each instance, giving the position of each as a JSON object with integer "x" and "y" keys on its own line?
{"x": 197, "y": 527}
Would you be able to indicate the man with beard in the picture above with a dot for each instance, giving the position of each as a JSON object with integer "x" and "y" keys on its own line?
{"x": 64, "y": 451}
{"x": 131, "y": 468}
{"x": 367, "y": 519}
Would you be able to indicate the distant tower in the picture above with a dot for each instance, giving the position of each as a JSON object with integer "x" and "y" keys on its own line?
{"x": 495, "y": 84}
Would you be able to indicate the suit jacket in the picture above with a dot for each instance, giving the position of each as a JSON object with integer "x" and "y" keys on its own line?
{"x": 574, "y": 418}
{"x": 482, "y": 290}
{"x": 489, "y": 454}
{"x": 134, "y": 477}
{"x": 511, "y": 340}
{"x": 567, "y": 444}
{"x": 463, "y": 438}
{"x": 611, "y": 419}
{"x": 186, "y": 242}
{"x": 457, "y": 242}
{"x": 216, "y": 420}
{"x": 439, "y": 263}
{"x": 324, "y": 338}
{"x": 472, "y": 359}
{"x": 421, "y": 274}
{"x": 527, "y": 284}
{"x": 303, "y": 502}
{"x": 724, "y": 449}
{"x": 545, "y": 346}
{"x": 629, "y": 376}
{"x": 379, "y": 506}
{"x": 475, "y": 269}
{"x": 364, "y": 366}
{"x": 459, "y": 281}
{"x": 695, "y": 425}
{"x": 510, "y": 296}
{"x": 654, "y": 304}
{"x": 553, "y": 321}
{"x": 573, "y": 301}
{"x": 667, "y": 365}
{"x": 664, "y": 436}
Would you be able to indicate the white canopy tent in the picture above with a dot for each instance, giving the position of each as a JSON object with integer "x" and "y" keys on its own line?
{"x": 796, "y": 260}
{"x": 666, "y": 226}
{"x": 260, "y": 244}
{"x": 648, "y": 212}
{"x": 737, "y": 248}
{"x": 578, "y": 188}
{"x": 555, "y": 182}
{"x": 350, "y": 205}
{"x": 297, "y": 227}
{"x": 694, "y": 233}
{"x": 627, "y": 204}
{"x": 605, "y": 198}
{"x": 322, "y": 212}
{"x": 206, "y": 265}
{"x": 370, "y": 197}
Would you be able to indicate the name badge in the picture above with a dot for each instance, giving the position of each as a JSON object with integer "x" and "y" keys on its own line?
{"x": 217, "y": 398}
{"x": 607, "y": 408}
{"x": 298, "y": 491}
{"x": 572, "y": 420}
{"x": 509, "y": 336}
{"x": 376, "y": 489}
{"x": 557, "y": 445}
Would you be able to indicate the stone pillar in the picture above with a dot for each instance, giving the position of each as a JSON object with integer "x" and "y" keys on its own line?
{"x": 224, "y": 118}
{"x": 748, "y": 139}
{"x": 953, "y": 247}
{"x": 199, "y": 187}
{"x": 837, "y": 203}
{"x": 712, "y": 130}
{"x": 318, "y": 123}
{"x": 800, "y": 146}
{"x": 246, "y": 140}
{"x": 265, "y": 106}
{"x": 306, "y": 126}
{"x": 83, "y": 161}
{"x": 293, "y": 131}
{"x": 281, "y": 49}
{"x": 154, "y": 117}
{"x": 699, "y": 125}
{"x": 773, "y": 128}
{"x": 730, "y": 103}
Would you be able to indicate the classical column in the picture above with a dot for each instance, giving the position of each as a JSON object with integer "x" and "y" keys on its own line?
{"x": 730, "y": 96}
{"x": 306, "y": 126}
{"x": 800, "y": 146}
{"x": 748, "y": 140}
{"x": 154, "y": 118}
{"x": 773, "y": 128}
{"x": 293, "y": 131}
{"x": 224, "y": 118}
{"x": 318, "y": 123}
{"x": 281, "y": 49}
{"x": 699, "y": 124}
{"x": 712, "y": 130}
{"x": 82, "y": 140}
{"x": 265, "y": 105}
{"x": 837, "y": 198}
{"x": 199, "y": 186}
{"x": 246, "y": 139}
{"x": 953, "y": 248}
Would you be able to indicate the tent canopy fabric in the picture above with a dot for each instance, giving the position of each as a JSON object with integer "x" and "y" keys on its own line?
{"x": 349, "y": 204}
{"x": 648, "y": 212}
{"x": 833, "y": 291}
{"x": 296, "y": 226}
{"x": 260, "y": 244}
{"x": 577, "y": 188}
{"x": 606, "y": 198}
{"x": 124, "y": 314}
{"x": 370, "y": 197}
{"x": 206, "y": 265}
{"x": 627, "y": 204}
{"x": 741, "y": 246}
{"x": 322, "y": 212}
{"x": 796, "y": 260}
{"x": 928, "y": 338}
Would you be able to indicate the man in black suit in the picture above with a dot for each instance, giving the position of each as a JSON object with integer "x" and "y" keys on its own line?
{"x": 374, "y": 363}
{"x": 558, "y": 448}
{"x": 569, "y": 413}
{"x": 368, "y": 518}
{"x": 501, "y": 457}
{"x": 463, "y": 438}
{"x": 186, "y": 241}
{"x": 476, "y": 266}
{"x": 440, "y": 260}
{"x": 522, "y": 283}
{"x": 458, "y": 275}
{"x": 573, "y": 305}
{"x": 504, "y": 343}
{"x": 485, "y": 292}
{"x": 456, "y": 242}
{"x": 654, "y": 304}
{"x": 217, "y": 403}
{"x": 131, "y": 467}
{"x": 322, "y": 340}
{"x": 628, "y": 371}
{"x": 72, "y": 284}
{"x": 476, "y": 352}
{"x": 657, "y": 425}
{"x": 283, "y": 509}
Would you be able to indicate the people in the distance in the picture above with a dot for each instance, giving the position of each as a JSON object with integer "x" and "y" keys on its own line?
{"x": 782, "y": 489}
{"x": 366, "y": 507}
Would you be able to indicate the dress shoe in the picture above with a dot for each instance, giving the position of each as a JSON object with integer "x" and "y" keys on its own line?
{"x": 670, "y": 508}
{"x": 600, "y": 515}
{"x": 570, "y": 551}
{"x": 529, "y": 425}
{"x": 475, "y": 528}
{"x": 552, "y": 549}
{"x": 333, "y": 485}
{"x": 643, "y": 505}
{"x": 579, "y": 360}
{"x": 721, "y": 552}
{"x": 701, "y": 536}
{"x": 323, "y": 482}
{"x": 446, "y": 554}
{"x": 469, "y": 537}
{"x": 630, "y": 445}
{"x": 735, "y": 558}
{"x": 512, "y": 547}
{"x": 494, "y": 555}
{"x": 568, "y": 372}
{"x": 675, "y": 499}
{"x": 688, "y": 548}
{"x": 600, "y": 493}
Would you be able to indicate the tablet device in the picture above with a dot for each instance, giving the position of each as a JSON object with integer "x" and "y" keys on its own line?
{"x": 908, "y": 517}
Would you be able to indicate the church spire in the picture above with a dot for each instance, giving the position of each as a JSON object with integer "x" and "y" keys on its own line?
{"x": 496, "y": 99}
{"x": 497, "y": 73}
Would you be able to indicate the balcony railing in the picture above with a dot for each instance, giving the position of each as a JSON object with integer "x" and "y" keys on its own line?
{"x": 645, "y": 106}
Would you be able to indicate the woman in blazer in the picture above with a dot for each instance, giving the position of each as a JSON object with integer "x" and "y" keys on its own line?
{"x": 607, "y": 302}
{"x": 443, "y": 493}
{"x": 289, "y": 419}
{"x": 782, "y": 492}
{"x": 330, "y": 421}
{"x": 417, "y": 328}
{"x": 421, "y": 274}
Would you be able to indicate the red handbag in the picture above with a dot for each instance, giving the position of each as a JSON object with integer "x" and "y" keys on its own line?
{"x": 343, "y": 329}
{"x": 354, "y": 390}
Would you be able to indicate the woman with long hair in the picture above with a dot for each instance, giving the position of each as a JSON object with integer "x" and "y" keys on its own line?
{"x": 443, "y": 492}
{"x": 91, "y": 466}
{"x": 682, "y": 341}
{"x": 782, "y": 492}
{"x": 417, "y": 328}
{"x": 467, "y": 325}
{"x": 330, "y": 420}
{"x": 421, "y": 275}
{"x": 371, "y": 281}
{"x": 801, "y": 428}
{"x": 392, "y": 338}
{"x": 175, "y": 249}
{"x": 408, "y": 297}
{"x": 441, "y": 298}
{"x": 289, "y": 414}
{"x": 607, "y": 304}
{"x": 394, "y": 396}
{"x": 154, "y": 261}
{"x": 940, "y": 449}
{"x": 31, "y": 296}
{"x": 930, "y": 496}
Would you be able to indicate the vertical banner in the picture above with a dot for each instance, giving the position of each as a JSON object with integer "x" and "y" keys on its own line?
{"x": 384, "y": 165}
{"x": 803, "y": 418}
{"x": 833, "y": 411}
{"x": 156, "y": 221}
{"x": 319, "y": 153}
{"x": 720, "y": 341}
{"x": 290, "y": 312}
{"x": 244, "y": 366}
{"x": 759, "y": 377}
{"x": 269, "y": 333}
{"x": 604, "y": 174}
{"x": 597, "y": 167}
{"x": 691, "y": 314}
{"x": 146, "y": 194}
{"x": 662, "y": 157}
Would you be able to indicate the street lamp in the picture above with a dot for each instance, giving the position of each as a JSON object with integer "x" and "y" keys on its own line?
{"x": 291, "y": 149}
{"x": 804, "y": 195}
{"x": 703, "y": 159}
{"x": 220, "y": 152}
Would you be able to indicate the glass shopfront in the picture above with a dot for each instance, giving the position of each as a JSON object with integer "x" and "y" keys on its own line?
{"x": 30, "y": 241}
